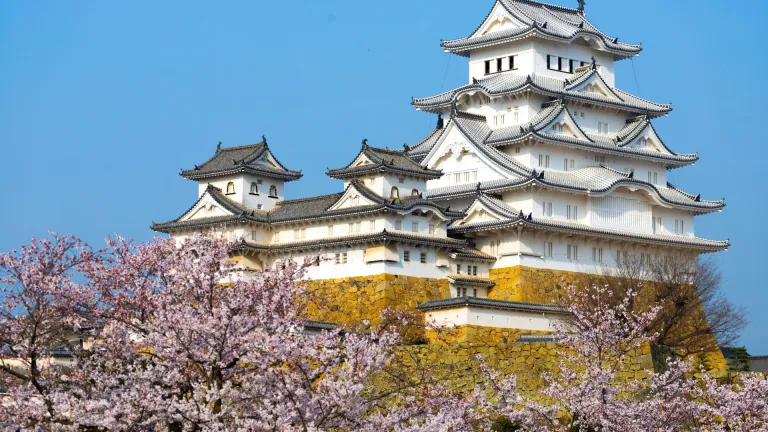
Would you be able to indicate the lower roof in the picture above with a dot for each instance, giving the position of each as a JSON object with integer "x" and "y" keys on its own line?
{"x": 486, "y": 303}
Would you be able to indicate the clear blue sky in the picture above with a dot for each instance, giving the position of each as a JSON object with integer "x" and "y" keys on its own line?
{"x": 101, "y": 103}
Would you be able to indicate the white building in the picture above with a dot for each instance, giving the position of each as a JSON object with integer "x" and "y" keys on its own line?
{"x": 544, "y": 162}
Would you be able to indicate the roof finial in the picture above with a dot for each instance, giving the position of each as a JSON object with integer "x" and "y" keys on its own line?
{"x": 264, "y": 139}
{"x": 365, "y": 142}
{"x": 440, "y": 122}
{"x": 218, "y": 147}
{"x": 594, "y": 63}
{"x": 582, "y": 3}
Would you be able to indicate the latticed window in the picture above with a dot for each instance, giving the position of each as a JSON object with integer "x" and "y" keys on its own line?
{"x": 273, "y": 191}
{"x": 254, "y": 188}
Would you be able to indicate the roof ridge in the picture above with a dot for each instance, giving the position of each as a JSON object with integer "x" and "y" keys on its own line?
{"x": 387, "y": 150}
{"x": 470, "y": 116}
{"x": 240, "y": 147}
{"x": 547, "y": 5}
{"x": 314, "y": 198}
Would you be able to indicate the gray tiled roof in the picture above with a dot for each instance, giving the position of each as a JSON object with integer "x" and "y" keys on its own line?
{"x": 240, "y": 159}
{"x": 481, "y": 302}
{"x": 471, "y": 280}
{"x": 546, "y": 21}
{"x": 509, "y": 83}
{"x": 472, "y": 254}
{"x": 396, "y": 161}
{"x": 597, "y": 179}
{"x": 425, "y": 145}
{"x": 398, "y": 236}
{"x": 313, "y": 208}
{"x": 517, "y": 218}
{"x": 758, "y": 364}
{"x": 539, "y": 127}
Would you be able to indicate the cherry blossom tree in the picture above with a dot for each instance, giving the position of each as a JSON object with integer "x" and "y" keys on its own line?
{"x": 187, "y": 343}
{"x": 597, "y": 389}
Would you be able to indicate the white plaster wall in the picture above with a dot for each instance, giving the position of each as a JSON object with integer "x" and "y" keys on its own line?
{"x": 522, "y": 49}
{"x": 242, "y": 190}
{"x": 382, "y": 184}
{"x": 573, "y": 51}
{"x": 668, "y": 217}
{"x": 493, "y": 318}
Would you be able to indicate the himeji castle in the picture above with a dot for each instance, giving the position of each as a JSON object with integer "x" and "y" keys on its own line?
{"x": 539, "y": 169}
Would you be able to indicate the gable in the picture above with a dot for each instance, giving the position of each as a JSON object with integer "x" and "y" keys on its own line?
{"x": 479, "y": 212}
{"x": 352, "y": 198}
{"x": 596, "y": 86}
{"x": 649, "y": 140}
{"x": 498, "y": 19}
{"x": 207, "y": 207}
{"x": 564, "y": 124}
{"x": 361, "y": 160}
{"x": 454, "y": 152}
{"x": 268, "y": 160}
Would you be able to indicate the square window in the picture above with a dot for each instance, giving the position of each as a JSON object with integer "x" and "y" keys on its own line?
{"x": 415, "y": 227}
{"x": 407, "y": 256}
{"x": 431, "y": 229}
{"x": 423, "y": 258}
{"x": 399, "y": 225}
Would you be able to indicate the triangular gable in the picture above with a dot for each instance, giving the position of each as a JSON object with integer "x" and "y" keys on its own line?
{"x": 207, "y": 207}
{"x": 480, "y": 212}
{"x": 564, "y": 124}
{"x": 498, "y": 19}
{"x": 266, "y": 158}
{"x": 647, "y": 139}
{"x": 455, "y": 145}
{"x": 352, "y": 197}
{"x": 595, "y": 84}
{"x": 361, "y": 160}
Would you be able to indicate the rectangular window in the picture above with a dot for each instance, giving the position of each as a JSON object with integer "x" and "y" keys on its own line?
{"x": 474, "y": 270}
{"x": 622, "y": 257}
{"x": 597, "y": 255}
{"x": 407, "y": 256}
{"x": 399, "y": 225}
{"x": 658, "y": 225}
{"x": 343, "y": 257}
{"x": 543, "y": 161}
{"x": 645, "y": 259}
{"x": 330, "y": 230}
{"x": 401, "y": 180}
{"x": 372, "y": 225}
{"x": 276, "y": 237}
{"x": 573, "y": 252}
{"x": 414, "y": 227}
{"x": 338, "y": 258}
{"x": 546, "y": 209}
{"x": 679, "y": 226}
{"x": 498, "y": 65}
{"x": 259, "y": 206}
{"x": 512, "y": 63}
{"x": 423, "y": 258}
{"x": 653, "y": 178}
{"x": 487, "y": 67}
{"x": 498, "y": 120}
{"x": 548, "y": 250}
{"x": 253, "y": 235}
{"x": 461, "y": 292}
{"x": 572, "y": 212}
{"x": 551, "y": 62}
{"x": 457, "y": 178}
{"x": 458, "y": 268}
{"x": 474, "y": 292}
{"x": 431, "y": 229}
{"x": 600, "y": 159}
{"x": 517, "y": 119}
{"x": 354, "y": 227}
{"x": 568, "y": 164}
{"x": 517, "y": 150}
{"x": 602, "y": 128}
{"x": 300, "y": 234}
{"x": 495, "y": 247}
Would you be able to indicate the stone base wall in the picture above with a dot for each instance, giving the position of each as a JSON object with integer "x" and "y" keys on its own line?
{"x": 456, "y": 363}
{"x": 352, "y": 300}
{"x": 533, "y": 285}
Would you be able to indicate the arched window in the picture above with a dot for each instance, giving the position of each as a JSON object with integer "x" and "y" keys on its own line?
{"x": 230, "y": 188}
{"x": 415, "y": 192}
{"x": 254, "y": 188}
{"x": 273, "y": 191}
{"x": 394, "y": 193}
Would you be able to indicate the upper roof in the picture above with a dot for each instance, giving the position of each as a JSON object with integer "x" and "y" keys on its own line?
{"x": 539, "y": 128}
{"x": 252, "y": 158}
{"x": 758, "y": 364}
{"x": 510, "y": 217}
{"x": 372, "y": 159}
{"x": 314, "y": 208}
{"x": 533, "y": 19}
{"x": 509, "y": 83}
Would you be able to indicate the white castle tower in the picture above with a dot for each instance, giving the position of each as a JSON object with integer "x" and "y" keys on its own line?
{"x": 558, "y": 169}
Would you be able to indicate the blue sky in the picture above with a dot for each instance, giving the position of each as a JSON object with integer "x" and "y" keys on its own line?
{"x": 101, "y": 103}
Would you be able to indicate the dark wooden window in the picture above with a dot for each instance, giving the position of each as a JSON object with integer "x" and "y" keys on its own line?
{"x": 487, "y": 67}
